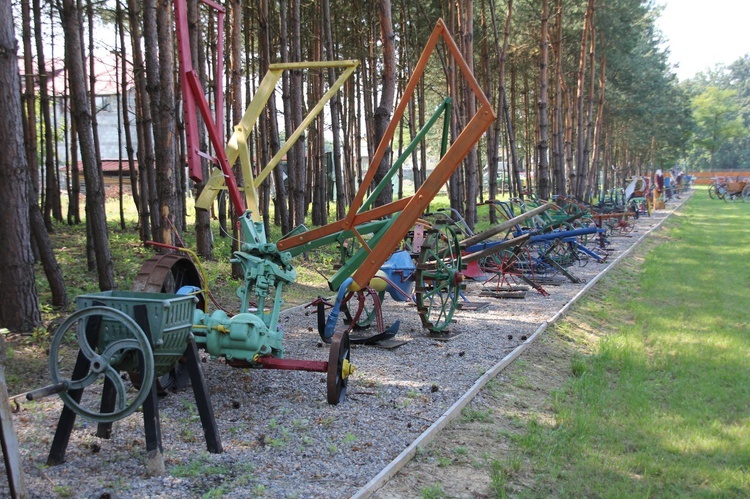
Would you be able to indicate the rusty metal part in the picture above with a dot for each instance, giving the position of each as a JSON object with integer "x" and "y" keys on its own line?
{"x": 166, "y": 273}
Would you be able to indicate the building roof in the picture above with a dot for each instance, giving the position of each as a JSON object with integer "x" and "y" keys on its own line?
{"x": 105, "y": 64}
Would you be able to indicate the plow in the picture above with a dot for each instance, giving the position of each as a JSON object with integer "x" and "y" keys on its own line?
{"x": 152, "y": 334}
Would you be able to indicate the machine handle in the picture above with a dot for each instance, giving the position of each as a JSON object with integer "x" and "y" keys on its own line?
{"x": 46, "y": 391}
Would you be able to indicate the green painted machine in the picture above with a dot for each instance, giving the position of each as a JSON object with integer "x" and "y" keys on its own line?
{"x": 153, "y": 332}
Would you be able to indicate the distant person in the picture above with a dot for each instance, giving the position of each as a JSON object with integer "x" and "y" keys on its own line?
{"x": 668, "y": 185}
{"x": 659, "y": 182}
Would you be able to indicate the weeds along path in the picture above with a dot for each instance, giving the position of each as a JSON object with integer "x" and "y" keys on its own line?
{"x": 473, "y": 450}
{"x": 281, "y": 438}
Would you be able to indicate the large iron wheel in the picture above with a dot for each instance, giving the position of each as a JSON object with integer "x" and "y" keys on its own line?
{"x": 746, "y": 194}
{"x": 438, "y": 278}
{"x": 167, "y": 273}
{"x": 108, "y": 341}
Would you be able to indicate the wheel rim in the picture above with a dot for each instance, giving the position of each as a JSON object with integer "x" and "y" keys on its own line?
{"x": 104, "y": 361}
{"x": 339, "y": 368}
{"x": 438, "y": 279}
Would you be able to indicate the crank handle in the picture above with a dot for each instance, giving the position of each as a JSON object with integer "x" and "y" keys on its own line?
{"x": 46, "y": 391}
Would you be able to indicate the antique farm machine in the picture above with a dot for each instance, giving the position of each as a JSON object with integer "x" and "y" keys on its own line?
{"x": 153, "y": 332}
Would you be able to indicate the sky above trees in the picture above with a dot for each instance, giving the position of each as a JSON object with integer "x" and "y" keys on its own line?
{"x": 701, "y": 34}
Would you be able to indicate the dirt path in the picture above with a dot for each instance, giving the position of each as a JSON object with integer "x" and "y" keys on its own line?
{"x": 475, "y": 456}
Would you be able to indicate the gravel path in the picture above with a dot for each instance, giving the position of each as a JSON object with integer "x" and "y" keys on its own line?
{"x": 280, "y": 437}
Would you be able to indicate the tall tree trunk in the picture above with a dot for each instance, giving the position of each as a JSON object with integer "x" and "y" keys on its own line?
{"x": 286, "y": 83}
{"x": 586, "y": 187}
{"x": 95, "y": 214}
{"x": 203, "y": 235}
{"x": 580, "y": 172}
{"x": 271, "y": 124}
{"x": 74, "y": 208}
{"x": 319, "y": 166}
{"x": 20, "y": 309}
{"x": 335, "y": 115}
{"x": 153, "y": 88}
{"x": 558, "y": 123}
{"x": 92, "y": 90}
{"x": 382, "y": 115}
{"x": 234, "y": 101}
{"x": 160, "y": 83}
{"x": 503, "y": 95}
{"x": 516, "y": 189}
{"x": 493, "y": 151}
{"x": 596, "y": 166}
{"x": 125, "y": 108}
{"x": 40, "y": 237}
{"x": 143, "y": 122}
{"x": 296, "y": 164}
{"x": 456, "y": 182}
{"x": 543, "y": 146}
{"x": 29, "y": 96}
{"x": 165, "y": 133}
{"x": 470, "y": 212}
{"x": 52, "y": 205}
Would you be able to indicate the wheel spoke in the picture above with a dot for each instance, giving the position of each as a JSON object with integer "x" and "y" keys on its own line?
{"x": 130, "y": 338}
{"x": 119, "y": 385}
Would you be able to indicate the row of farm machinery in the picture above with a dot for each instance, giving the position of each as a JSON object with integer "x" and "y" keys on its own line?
{"x": 133, "y": 345}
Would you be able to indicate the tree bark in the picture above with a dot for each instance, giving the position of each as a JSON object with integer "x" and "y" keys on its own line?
{"x": 383, "y": 112}
{"x": 20, "y": 305}
{"x": 143, "y": 122}
{"x": 335, "y": 115}
{"x": 543, "y": 146}
{"x": 203, "y": 236}
{"x": 297, "y": 164}
{"x": 580, "y": 132}
{"x": 125, "y": 109}
{"x": 470, "y": 163}
{"x": 95, "y": 214}
{"x": 558, "y": 123}
{"x": 153, "y": 89}
{"x": 595, "y": 154}
{"x": 165, "y": 132}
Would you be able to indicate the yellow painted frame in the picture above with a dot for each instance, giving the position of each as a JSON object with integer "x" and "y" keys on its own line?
{"x": 236, "y": 147}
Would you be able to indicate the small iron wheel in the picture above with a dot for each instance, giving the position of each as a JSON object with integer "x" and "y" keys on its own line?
{"x": 339, "y": 367}
{"x": 438, "y": 278}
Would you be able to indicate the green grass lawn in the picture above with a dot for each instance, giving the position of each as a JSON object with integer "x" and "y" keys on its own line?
{"x": 661, "y": 408}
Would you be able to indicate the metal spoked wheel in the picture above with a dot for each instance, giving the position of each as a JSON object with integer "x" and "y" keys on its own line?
{"x": 365, "y": 310}
{"x": 168, "y": 273}
{"x": 746, "y": 194}
{"x": 722, "y": 191}
{"x": 339, "y": 368}
{"x": 110, "y": 342}
{"x": 438, "y": 278}
{"x": 712, "y": 191}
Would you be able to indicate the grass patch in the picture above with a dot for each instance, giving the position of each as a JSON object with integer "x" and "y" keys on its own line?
{"x": 660, "y": 406}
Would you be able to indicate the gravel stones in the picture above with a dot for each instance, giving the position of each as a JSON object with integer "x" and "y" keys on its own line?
{"x": 280, "y": 437}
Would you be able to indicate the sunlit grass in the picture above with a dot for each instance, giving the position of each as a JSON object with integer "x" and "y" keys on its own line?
{"x": 661, "y": 406}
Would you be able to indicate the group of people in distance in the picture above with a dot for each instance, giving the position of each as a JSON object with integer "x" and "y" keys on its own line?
{"x": 670, "y": 183}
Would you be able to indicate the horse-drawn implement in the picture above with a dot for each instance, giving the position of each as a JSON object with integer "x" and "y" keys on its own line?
{"x": 729, "y": 189}
{"x": 152, "y": 334}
